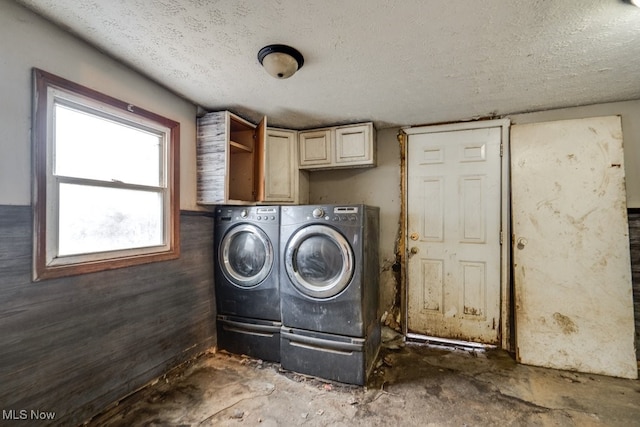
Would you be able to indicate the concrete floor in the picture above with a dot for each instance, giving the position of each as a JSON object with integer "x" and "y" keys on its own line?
{"x": 412, "y": 385}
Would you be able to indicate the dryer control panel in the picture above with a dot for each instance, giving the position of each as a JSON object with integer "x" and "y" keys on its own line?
{"x": 236, "y": 214}
{"x": 345, "y": 213}
{"x": 351, "y": 215}
{"x": 338, "y": 213}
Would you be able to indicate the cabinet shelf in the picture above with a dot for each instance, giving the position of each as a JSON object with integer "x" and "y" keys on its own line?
{"x": 240, "y": 147}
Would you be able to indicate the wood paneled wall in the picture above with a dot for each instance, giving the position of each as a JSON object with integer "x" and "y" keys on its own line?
{"x": 75, "y": 345}
{"x": 634, "y": 243}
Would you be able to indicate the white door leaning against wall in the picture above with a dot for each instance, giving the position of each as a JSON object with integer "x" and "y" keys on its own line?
{"x": 572, "y": 273}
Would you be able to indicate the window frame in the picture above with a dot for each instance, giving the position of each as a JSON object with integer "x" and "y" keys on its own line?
{"x": 47, "y": 88}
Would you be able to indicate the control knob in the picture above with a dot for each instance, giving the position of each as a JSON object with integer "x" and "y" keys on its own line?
{"x": 318, "y": 212}
{"x": 244, "y": 213}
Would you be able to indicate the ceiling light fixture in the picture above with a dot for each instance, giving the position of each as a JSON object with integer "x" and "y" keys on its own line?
{"x": 634, "y": 2}
{"x": 281, "y": 61}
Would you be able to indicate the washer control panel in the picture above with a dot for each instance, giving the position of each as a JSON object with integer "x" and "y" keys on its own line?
{"x": 266, "y": 214}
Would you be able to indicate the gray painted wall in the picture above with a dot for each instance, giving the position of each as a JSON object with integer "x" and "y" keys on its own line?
{"x": 634, "y": 246}
{"x": 75, "y": 345}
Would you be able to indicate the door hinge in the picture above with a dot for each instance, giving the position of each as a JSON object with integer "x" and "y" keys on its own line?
{"x": 501, "y": 150}
{"x": 501, "y": 236}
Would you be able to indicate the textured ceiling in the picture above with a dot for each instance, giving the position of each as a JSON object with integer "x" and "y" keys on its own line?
{"x": 396, "y": 62}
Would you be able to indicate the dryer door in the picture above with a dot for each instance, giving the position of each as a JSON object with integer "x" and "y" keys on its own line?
{"x": 246, "y": 255}
{"x": 319, "y": 261}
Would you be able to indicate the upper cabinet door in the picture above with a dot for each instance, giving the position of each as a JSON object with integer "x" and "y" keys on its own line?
{"x": 280, "y": 166}
{"x": 354, "y": 145}
{"x": 315, "y": 148}
{"x": 261, "y": 140}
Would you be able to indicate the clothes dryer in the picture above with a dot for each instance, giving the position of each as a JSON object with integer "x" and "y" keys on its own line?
{"x": 329, "y": 290}
{"x": 246, "y": 240}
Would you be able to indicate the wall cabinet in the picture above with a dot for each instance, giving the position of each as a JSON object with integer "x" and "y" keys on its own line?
{"x": 239, "y": 162}
{"x": 348, "y": 146}
{"x": 229, "y": 159}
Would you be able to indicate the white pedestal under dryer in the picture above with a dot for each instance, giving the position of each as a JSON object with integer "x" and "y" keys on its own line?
{"x": 329, "y": 290}
{"x": 246, "y": 240}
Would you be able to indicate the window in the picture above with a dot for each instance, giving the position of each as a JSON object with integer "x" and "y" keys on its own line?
{"x": 106, "y": 192}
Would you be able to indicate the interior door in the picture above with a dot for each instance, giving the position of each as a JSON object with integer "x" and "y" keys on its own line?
{"x": 572, "y": 270}
{"x": 454, "y": 226}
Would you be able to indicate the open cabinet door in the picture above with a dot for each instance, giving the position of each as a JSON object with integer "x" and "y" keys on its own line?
{"x": 572, "y": 274}
{"x": 260, "y": 146}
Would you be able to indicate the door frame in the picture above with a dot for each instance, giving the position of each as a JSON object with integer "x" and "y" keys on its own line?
{"x": 505, "y": 222}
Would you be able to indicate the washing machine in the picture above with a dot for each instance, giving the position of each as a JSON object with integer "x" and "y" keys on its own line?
{"x": 246, "y": 240}
{"x": 329, "y": 290}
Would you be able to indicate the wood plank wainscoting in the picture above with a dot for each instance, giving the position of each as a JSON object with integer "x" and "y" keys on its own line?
{"x": 75, "y": 345}
{"x": 634, "y": 245}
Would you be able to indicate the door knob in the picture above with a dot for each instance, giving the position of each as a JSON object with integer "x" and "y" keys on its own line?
{"x": 522, "y": 242}
{"x": 414, "y": 250}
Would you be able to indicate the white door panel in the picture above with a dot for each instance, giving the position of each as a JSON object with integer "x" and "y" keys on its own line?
{"x": 572, "y": 271}
{"x": 453, "y": 224}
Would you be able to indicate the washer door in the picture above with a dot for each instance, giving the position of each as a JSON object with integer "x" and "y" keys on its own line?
{"x": 246, "y": 255}
{"x": 319, "y": 261}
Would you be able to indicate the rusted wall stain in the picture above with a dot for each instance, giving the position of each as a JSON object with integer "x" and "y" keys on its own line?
{"x": 402, "y": 232}
{"x": 390, "y": 281}
{"x": 393, "y": 270}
